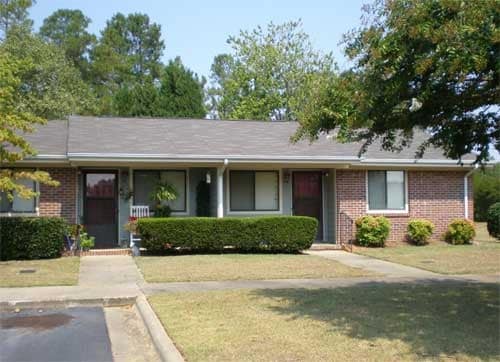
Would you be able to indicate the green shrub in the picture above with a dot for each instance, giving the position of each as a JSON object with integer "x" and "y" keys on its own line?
{"x": 276, "y": 234}
{"x": 486, "y": 191}
{"x": 493, "y": 220}
{"x": 420, "y": 231}
{"x": 31, "y": 237}
{"x": 372, "y": 230}
{"x": 460, "y": 232}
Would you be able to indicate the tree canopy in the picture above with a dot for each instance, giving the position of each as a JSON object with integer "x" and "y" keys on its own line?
{"x": 129, "y": 49}
{"x": 68, "y": 29}
{"x": 37, "y": 83}
{"x": 52, "y": 88}
{"x": 265, "y": 74}
{"x": 14, "y": 14}
{"x": 431, "y": 65}
{"x": 181, "y": 92}
{"x": 15, "y": 119}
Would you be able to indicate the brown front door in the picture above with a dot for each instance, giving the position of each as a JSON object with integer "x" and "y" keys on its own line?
{"x": 308, "y": 197}
{"x": 100, "y": 207}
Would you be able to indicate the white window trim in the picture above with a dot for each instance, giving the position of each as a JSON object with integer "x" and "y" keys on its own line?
{"x": 173, "y": 213}
{"x": 27, "y": 214}
{"x": 254, "y": 212}
{"x": 387, "y": 211}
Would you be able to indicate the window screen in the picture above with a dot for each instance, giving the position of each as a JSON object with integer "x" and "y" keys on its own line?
{"x": 254, "y": 190}
{"x": 386, "y": 190}
{"x": 145, "y": 183}
{"x": 18, "y": 204}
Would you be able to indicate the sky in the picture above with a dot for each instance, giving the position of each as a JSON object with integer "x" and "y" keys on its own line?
{"x": 197, "y": 30}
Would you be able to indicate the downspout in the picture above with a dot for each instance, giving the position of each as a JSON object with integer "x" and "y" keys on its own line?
{"x": 220, "y": 188}
{"x": 466, "y": 192}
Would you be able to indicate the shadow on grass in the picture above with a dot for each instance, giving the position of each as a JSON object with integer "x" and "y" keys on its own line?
{"x": 434, "y": 319}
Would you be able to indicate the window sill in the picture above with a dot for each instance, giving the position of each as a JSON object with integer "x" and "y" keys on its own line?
{"x": 179, "y": 213}
{"x": 16, "y": 214}
{"x": 276, "y": 212}
{"x": 389, "y": 212}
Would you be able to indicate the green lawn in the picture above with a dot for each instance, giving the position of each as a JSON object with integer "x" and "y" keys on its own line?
{"x": 62, "y": 271}
{"x": 393, "y": 322}
{"x": 481, "y": 258}
{"x": 188, "y": 268}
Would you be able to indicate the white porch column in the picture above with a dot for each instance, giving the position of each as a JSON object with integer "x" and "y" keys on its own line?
{"x": 220, "y": 192}
{"x": 130, "y": 190}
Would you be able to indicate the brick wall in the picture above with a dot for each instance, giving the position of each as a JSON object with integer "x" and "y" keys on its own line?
{"x": 434, "y": 195}
{"x": 61, "y": 200}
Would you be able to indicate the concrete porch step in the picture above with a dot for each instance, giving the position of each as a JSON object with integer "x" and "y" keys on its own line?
{"x": 325, "y": 246}
{"x": 98, "y": 252}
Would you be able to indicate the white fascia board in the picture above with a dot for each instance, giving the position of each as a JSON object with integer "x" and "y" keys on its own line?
{"x": 201, "y": 158}
{"x": 409, "y": 161}
{"x": 352, "y": 160}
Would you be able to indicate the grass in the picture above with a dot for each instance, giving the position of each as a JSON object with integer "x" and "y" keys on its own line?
{"x": 483, "y": 257}
{"x": 189, "y": 268}
{"x": 62, "y": 271}
{"x": 392, "y": 322}
{"x": 482, "y": 235}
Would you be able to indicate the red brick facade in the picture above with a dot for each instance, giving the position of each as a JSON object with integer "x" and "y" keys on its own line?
{"x": 61, "y": 200}
{"x": 434, "y": 195}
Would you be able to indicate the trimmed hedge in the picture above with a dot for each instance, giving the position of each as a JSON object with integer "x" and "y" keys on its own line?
{"x": 460, "y": 231}
{"x": 31, "y": 237}
{"x": 420, "y": 231}
{"x": 275, "y": 234}
{"x": 372, "y": 231}
{"x": 493, "y": 220}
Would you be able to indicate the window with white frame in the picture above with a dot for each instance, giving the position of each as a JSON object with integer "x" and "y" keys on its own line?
{"x": 254, "y": 190}
{"x": 18, "y": 204}
{"x": 386, "y": 190}
{"x": 145, "y": 182}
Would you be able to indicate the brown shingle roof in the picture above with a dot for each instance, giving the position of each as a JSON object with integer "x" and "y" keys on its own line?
{"x": 191, "y": 138}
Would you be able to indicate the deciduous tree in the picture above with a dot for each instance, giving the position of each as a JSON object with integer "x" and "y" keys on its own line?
{"x": 14, "y": 13}
{"x": 15, "y": 120}
{"x": 429, "y": 65}
{"x": 266, "y": 71}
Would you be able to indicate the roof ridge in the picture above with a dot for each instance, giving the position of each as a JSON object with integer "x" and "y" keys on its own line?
{"x": 76, "y": 117}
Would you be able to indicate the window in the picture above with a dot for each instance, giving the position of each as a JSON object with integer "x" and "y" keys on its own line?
{"x": 19, "y": 205}
{"x": 386, "y": 190}
{"x": 145, "y": 183}
{"x": 254, "y": 190}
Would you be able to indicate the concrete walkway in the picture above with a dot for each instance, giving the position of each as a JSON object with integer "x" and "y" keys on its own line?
{"x": 103, "y": 271}
{"x": 374, "y": 265}
{"x": 112, "y": 278}
{"x": 177, "y": 287}
{"x": 116, "y": 279}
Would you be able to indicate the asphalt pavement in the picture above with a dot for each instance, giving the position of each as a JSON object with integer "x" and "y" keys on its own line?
{"x": 77, "y": 334}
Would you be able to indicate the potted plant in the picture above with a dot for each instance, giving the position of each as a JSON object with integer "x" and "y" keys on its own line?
{"x": 86, "y": 242}
{"x": 163, "y": 193}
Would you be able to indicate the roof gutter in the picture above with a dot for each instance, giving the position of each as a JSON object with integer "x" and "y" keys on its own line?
{"x": 466, "y": 192}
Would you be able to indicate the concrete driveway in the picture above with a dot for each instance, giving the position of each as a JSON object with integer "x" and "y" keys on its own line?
{"x": 66, "y": 334}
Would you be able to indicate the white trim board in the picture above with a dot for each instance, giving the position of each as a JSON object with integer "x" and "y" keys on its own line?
{"x": 406, "y": 210}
